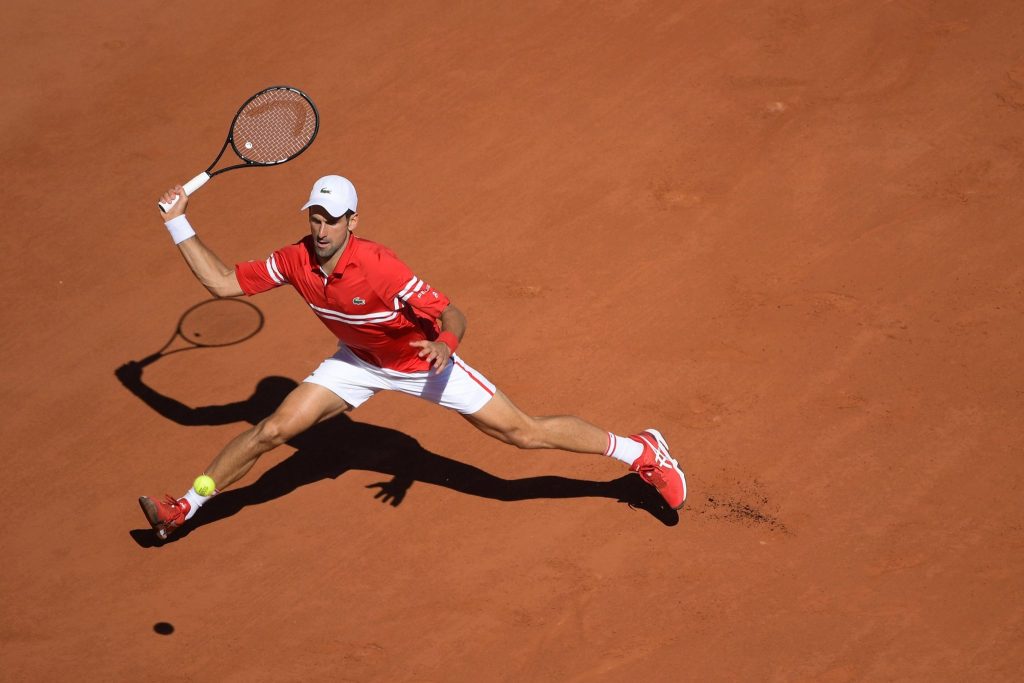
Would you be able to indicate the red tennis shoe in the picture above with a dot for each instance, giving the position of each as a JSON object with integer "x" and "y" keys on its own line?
{"x": 165, "y": 515}
{"x": 657, "y": 467}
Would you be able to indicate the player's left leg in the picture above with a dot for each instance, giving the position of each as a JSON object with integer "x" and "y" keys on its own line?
{"x": 503, "y": 420}
{"x": 461, "y": 388}
{"x": 646, "y": 453}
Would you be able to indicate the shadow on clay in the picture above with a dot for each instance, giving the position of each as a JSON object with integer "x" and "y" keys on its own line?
{"x": 335, "y": 446}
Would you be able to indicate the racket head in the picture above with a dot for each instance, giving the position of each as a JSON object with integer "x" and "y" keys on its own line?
{"x": 220, "y": 322}
{"x": 273, "y": 126}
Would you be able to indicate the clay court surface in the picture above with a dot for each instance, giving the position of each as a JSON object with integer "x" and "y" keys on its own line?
{"x": 787, "y": 234}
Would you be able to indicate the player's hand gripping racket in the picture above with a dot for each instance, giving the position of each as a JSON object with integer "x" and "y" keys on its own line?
{"x": 214, "y": 322}
{"x": 273, "y": 126}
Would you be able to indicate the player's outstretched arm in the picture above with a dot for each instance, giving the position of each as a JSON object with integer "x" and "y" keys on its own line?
{"x": 219, "y": 279}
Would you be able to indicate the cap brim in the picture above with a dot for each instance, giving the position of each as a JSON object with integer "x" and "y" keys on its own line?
{"x": 335, "y": 210}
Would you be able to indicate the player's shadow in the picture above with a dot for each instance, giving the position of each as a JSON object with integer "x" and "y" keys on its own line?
{"x": 335, "y": 446}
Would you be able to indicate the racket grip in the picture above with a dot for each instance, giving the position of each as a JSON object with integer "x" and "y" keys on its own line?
{"x": 189, "y": 187}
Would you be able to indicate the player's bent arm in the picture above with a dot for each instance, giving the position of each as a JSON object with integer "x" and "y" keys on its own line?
{"x": 438, "y": 352}
{"x": 219, "y": 279}
{"x": 453, "y": 320}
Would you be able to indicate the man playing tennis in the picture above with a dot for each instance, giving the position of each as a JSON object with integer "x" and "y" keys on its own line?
{"x": 396, "y": 333}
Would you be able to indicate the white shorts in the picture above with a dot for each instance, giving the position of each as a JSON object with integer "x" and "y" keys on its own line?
{"x": 458, "y": 387}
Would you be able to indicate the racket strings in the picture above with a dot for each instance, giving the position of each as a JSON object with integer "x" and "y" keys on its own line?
{"x": 274, "y": 127}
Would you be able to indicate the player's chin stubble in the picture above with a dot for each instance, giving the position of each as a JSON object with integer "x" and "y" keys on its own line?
{"x": 325, "y": 253}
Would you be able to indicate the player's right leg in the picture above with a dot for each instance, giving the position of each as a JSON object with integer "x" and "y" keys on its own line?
{"x": 306, "y": 405}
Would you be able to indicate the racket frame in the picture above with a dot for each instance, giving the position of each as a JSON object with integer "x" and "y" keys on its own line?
{"x": 201, "y": 179}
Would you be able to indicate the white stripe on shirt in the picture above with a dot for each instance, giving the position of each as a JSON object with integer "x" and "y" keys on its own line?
{"x": 408, "y": 285}
{"x": 364, "y": 319}
{"x": 415, "y": 289}
{"x": 274, "y": 273}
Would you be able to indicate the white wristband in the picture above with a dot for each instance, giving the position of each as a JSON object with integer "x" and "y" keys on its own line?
{"x": 180, "y": 229}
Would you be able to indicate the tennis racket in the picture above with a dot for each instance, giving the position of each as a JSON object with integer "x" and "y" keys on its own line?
{"x": 273, "y": 126}
{"x": 211, "y": 323}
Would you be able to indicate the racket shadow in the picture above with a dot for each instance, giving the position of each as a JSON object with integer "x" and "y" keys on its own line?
{"x": 336, "y": 446}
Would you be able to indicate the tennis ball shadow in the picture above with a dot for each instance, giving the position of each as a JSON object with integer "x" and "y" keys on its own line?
{"x": 163, "y": 628}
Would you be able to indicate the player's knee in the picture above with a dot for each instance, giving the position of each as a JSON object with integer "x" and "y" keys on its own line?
{"x": 272, "y": 432}
{"x": 524, "y": 436}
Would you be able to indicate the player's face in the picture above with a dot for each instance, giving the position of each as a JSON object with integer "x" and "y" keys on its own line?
{"x": 329, "y": 233}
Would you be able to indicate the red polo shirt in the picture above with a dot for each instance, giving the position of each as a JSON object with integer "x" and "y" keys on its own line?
{"x": 372, "y": 301}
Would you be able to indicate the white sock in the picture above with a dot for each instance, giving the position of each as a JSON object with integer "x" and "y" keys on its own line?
{"x": 623, "y": 448}
{"x": 196, "y": 501}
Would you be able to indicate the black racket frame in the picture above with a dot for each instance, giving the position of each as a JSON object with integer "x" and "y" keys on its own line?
{"x": 230, "y": 139}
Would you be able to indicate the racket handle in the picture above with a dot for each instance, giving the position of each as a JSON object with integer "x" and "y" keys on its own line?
{"x": 189, "y": 187}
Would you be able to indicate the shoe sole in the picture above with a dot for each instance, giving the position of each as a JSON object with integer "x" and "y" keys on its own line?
{"x": 663, "y": 445}
{"x": 152, "y": 516}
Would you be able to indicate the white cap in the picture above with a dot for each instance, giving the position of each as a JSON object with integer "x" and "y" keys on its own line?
{"x": 334, "y": 193}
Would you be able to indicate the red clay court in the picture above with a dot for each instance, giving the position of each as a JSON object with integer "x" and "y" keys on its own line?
{"x": 786, "y": 234}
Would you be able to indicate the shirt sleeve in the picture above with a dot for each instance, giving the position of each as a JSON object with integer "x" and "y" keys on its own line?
{"x": 393, "y": 281}
{"x": 260, "y": 276}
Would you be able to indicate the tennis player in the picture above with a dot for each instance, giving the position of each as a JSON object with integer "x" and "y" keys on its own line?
{"x": 396, "y": 333}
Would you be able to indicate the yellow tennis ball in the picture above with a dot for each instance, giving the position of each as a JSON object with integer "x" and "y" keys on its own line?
{"x": 204, "y": 485}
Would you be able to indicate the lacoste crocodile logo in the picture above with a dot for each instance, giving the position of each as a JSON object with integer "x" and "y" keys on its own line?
{"x": 358, "y": 301}
{"x": 324, "y": 190}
